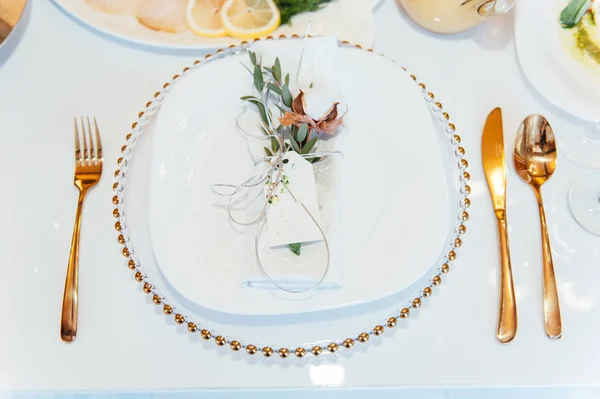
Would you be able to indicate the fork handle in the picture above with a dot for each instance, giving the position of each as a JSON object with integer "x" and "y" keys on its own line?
{"x": 68, "y": 322}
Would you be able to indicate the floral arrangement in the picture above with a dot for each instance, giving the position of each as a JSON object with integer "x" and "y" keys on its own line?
{"x": 295, "y": 128}
{"x": 302, "y": 131}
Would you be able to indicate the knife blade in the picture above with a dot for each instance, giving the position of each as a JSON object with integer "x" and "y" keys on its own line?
{"x": 494, "y": 167}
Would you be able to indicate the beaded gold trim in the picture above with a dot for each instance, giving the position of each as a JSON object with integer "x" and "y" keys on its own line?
{"x": 283, "y": 352}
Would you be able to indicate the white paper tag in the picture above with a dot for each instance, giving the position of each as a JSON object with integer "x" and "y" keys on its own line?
{"x": 287, "y": 220}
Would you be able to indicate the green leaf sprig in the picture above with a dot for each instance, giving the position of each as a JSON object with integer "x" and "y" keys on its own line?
{"x": 297, "y": 137}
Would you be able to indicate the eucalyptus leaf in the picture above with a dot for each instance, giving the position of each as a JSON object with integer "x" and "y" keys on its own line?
{"x": 261, "y": 109}
{"x": 274, "y": 87}
{"x": 287, "y": 79}
{"x": 309, "y": 145}
{"x": 268, "y": 152}
{"x": 295, "y": 145}
{"x": 283, "y": 110}
{"x": 274, "y": 144}
{"x": 259, "y": 82}
{"x": 572, "y": 14}
{"x": 286, "y": 96}
{"x": 302, "y": 132}
{"x": 270, "y": 70}
{"x": 262, "y": 129}
{"x": 247, "y": 69}
{"x": 252, "y": 55}
{"x": 277, "y": 70}
{"x": 245, "y": 98}
{"x": 270, "y": 115}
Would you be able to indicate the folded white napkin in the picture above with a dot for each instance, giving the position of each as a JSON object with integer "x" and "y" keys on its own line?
{"x": 318, "y": 69}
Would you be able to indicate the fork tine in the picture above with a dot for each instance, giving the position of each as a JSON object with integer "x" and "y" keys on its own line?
{"x": 91, "y": 141}
{"x": 98, "y": 142}
{"x": 86, "y": 143}
{"x": 78, "y": 158}
{"x": 88, "y": 135}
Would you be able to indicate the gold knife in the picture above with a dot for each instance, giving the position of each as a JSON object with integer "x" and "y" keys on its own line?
{"x": 494, "y": 167}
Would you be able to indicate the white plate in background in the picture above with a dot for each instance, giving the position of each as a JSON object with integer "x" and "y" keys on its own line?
{"x": 544, "y": 55}
{"x": 351, "y": 20}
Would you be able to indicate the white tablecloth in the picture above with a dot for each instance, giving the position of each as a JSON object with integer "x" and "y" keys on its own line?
{"x": 61, "y": 69}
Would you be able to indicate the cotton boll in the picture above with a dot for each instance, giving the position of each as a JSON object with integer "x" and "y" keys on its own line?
{"x": 318, "y": 101}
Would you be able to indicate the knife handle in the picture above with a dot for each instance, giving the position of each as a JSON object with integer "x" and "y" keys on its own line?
{"x": 507, "y": 317}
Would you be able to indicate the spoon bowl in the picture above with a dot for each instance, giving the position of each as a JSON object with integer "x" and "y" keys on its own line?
{"x": 535, "y": 150}
{"x": 535, "y": 161}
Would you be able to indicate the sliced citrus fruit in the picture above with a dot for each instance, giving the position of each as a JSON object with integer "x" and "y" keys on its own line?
{"x": 203, "y": 17}
{"x": 247, "y": 19}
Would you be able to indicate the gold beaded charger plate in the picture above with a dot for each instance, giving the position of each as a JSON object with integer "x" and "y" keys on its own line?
{"x": 297, "y": 332}
{"x": 389, "y": 239}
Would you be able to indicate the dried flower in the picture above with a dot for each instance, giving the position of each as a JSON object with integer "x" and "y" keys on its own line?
{"x": 329, "y": 123}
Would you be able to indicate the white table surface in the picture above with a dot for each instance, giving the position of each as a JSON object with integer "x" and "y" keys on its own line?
{"x": 61, "y": 69}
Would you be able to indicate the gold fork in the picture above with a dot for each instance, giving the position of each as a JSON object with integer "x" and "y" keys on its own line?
{"x": 88, "y": 170}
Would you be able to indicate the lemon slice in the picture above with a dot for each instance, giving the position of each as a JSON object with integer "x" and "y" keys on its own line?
{"x": 203, "y": 17}
{"x": 247, "y": 19}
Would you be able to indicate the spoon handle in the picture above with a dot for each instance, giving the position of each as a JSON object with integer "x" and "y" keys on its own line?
{"x": 552, "y": 319}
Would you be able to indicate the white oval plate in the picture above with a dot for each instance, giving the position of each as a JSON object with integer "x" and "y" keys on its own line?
{"x": 546, "y": 61}
{"x": 350, "y": 19}
{"x": 399, "y": 206}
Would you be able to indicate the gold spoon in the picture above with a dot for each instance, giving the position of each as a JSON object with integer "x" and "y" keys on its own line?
{"x": 535, "y": 161}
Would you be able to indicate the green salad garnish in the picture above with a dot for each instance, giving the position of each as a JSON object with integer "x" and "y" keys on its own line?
{"x": 572, "y": 14}
{"x": 289, "y": 8}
